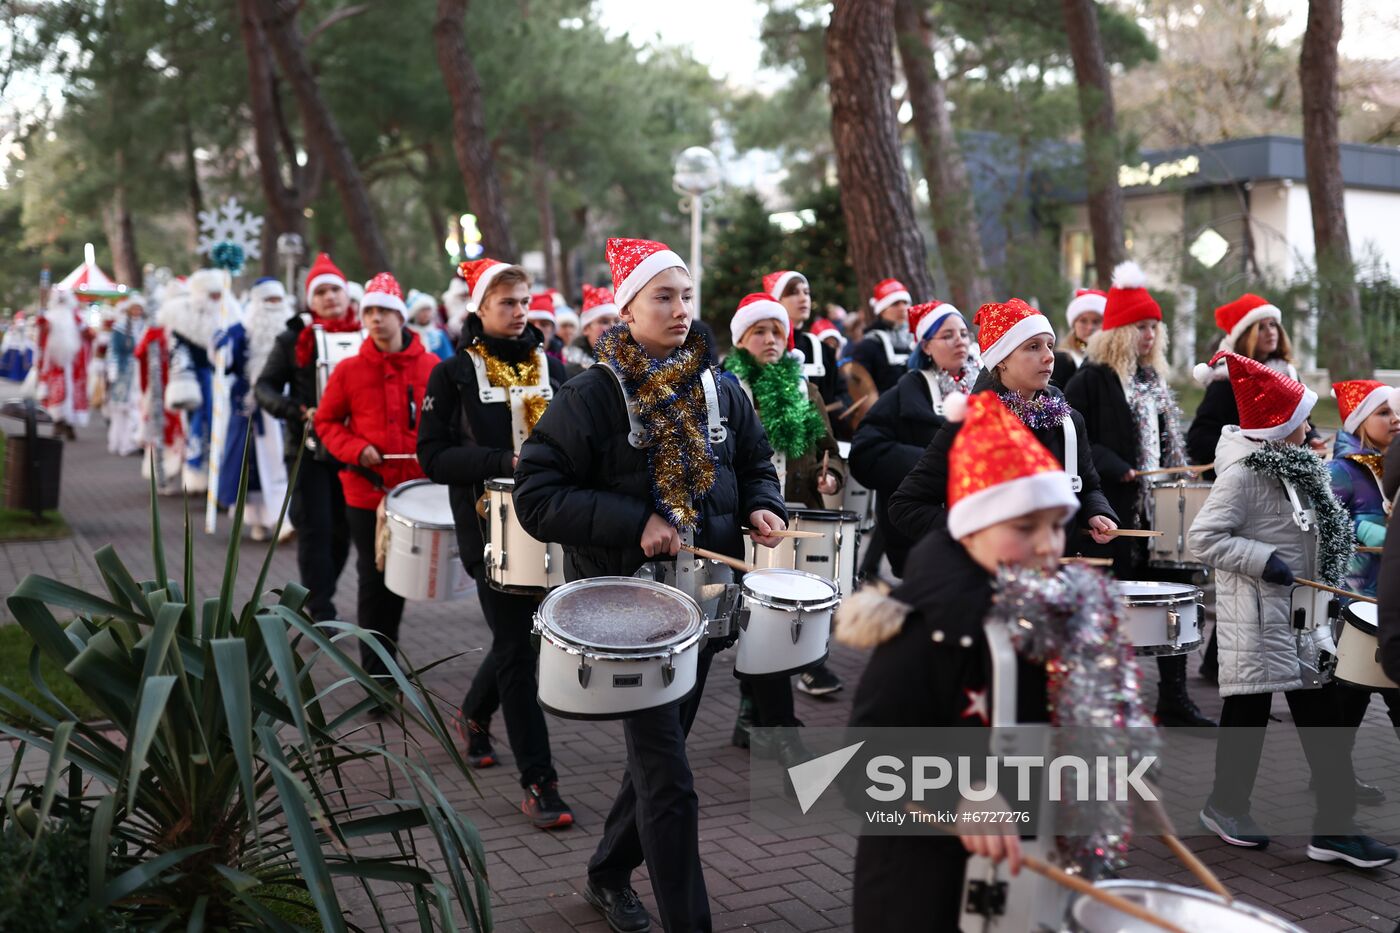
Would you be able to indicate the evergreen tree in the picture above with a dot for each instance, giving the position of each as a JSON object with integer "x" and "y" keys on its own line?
{"x": 819, "y": 251}
{"x": 746, "y": 248}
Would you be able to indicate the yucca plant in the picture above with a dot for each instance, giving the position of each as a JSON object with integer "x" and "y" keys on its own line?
{"x": 222, "y": 796}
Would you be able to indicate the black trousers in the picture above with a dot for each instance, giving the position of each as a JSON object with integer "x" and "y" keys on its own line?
{"x": 1329, "y": 756}
{"x": 508, "y": 676}
{"x": 656, "y": 815}
{"x": 1355, "y": 700}
{"x": 909, "y": 883}
{"x": 317, "y": 510}
{"x": 772, "y": 700}
{"x": 379, "y": 610}
{"x": 483, "y": 697}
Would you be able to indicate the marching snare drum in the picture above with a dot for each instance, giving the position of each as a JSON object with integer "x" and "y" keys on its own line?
{"x": 422, "y": 562}
{"x": 614, "y": 646}
{"x": 516, "y": 562}
{"x": 785, "y": 624}
{"x": 1358, "y": 649}
{"x": 331, "y": 349}
{"x": 1187, "y": 908}
{"x": 853, "y": 497}
{"x": 1172, "y": 510}
{"x": 708, "y": 582}
{"x": 833, "y": 556}
{"x": 1162, "y": 618}
{"x": 1314, "y": 614}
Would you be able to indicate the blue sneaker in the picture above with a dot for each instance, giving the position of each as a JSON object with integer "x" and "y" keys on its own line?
{"x": 1359, "y": 851}
{"x": 1236, "y": 830}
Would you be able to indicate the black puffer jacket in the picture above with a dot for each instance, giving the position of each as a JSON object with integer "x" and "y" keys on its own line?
{"x": 462, "y": 441}
{"x": 580, "y": 483}
{"x": 870, "y": 353}
{"x": 888, "y": 444}
{"x": 1389, "y": 591}
{"x": 919, "y": 505}
{"x": 284, "y": 389}
{"x": 1096, "y": 392}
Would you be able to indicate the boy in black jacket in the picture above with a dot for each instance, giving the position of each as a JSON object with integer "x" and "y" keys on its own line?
{"x": 612, "y": 506}
{"x": 465, "y": 439}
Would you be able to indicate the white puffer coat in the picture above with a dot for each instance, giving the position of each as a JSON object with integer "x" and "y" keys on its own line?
{"x": 1247, "y": 517}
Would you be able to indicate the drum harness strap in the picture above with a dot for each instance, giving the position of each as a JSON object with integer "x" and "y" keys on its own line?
{"x": 513, "y": 396}
{"x": 894, "y": 359}
{"x": 1076, "y": 482}
{"x": 1305, "y": 519}
{"x": 817, "y": 369}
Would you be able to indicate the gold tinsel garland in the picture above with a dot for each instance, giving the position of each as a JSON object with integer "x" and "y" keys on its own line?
{"x": 504, "y": 375}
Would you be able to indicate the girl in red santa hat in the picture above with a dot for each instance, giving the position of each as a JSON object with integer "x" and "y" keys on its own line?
{"x": 1084, "y": 317}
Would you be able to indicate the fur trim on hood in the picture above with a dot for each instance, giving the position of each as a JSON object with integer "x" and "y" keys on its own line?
{"x": 870, "y": 616}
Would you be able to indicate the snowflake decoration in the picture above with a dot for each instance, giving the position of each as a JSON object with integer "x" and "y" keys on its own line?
{"x": 229, "y": 224}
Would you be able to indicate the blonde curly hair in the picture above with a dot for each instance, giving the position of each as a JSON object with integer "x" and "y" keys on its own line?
{"x": 1117, "y": 349}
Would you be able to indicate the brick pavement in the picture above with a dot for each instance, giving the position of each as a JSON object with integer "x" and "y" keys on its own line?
{"x": 758, "y": 878}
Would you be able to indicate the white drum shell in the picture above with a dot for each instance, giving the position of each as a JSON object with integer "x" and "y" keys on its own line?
{"x": 766, "y": 644}
{"x": 515, "y": 561}
{"x": 423, "y": 562}
{"x": 1359, "y": 651}
{"x": 1173, "y": 512}
{"x": 1161, "y": 618}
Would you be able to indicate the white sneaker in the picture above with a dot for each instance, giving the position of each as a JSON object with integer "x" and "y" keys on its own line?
{"x": 258, "y": 533}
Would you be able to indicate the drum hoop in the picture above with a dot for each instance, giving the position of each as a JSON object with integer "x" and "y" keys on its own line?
{"x": 834, "y": 516}
{"x": 1120, "y": 885}
{"x": 574, "y": 646}
{"x": 404, "y": 520}
{"x": 792, "y": 605}
{"x": 1366, "y": 626}
{"x": 1193, "y": 595}
{"x": 500, "y": 484}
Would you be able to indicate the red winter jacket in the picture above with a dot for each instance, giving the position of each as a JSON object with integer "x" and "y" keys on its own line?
{"x": 375, "y": 398}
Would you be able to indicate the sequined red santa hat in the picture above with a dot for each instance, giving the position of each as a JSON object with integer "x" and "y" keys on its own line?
{"x": 926, "y": 319}
{"x": 479, "y": 273}
{"x": 1358, "y": 399}
{"x": 1004, "y": 326}
{"x": 323, "y": 272}
{"x": 887, "y": 292}
{"x": 1129, "y": 301}
{"x": 1240, "y": 315}
{"x": 997, "y": 470}
{"x": 1271, "y": 404}
{"x": 383, "y": 291}
{"x": 775, "y": 283}
{"x": 634, "y": 263}
{"x": 753, "y": 308}
{"x": 1085, "y": 301}
{"x": 541, "y": 307}
{"x": 597, "y": 302}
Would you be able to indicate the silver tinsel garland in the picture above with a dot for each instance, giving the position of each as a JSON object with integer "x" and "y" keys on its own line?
{"x": 1072, "y": 623}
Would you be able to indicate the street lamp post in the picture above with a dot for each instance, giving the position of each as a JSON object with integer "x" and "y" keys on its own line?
{"x": 290, "y": 250}
{"x": 697, "y": 174}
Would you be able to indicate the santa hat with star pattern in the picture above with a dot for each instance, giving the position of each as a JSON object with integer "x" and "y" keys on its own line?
{"x": 754, "y": 308}
{"x": 1358, "y": 399}
{"x": 597, "y": 302}
{"x": 997, "y": 470}
{"x": 1004, "y": 326}
{"x": 634, "y": 263}
{"x": 383, "y": 291}
{"x": 1271, "y": 404}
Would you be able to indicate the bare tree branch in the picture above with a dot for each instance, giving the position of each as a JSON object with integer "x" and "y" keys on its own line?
{"x": 339, "y": 15}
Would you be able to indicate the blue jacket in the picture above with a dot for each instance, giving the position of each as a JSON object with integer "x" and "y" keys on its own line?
{"x": 1359, "y": 490}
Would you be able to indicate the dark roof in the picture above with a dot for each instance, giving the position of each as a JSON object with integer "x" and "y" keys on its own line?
{"x": 1273, "y": 157}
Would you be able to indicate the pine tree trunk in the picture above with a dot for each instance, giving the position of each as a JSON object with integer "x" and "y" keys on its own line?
{"x": 469, "y": 131}
{"x": 543, "y": 205}
{"x": 1343, "y": 348}
{"x": 884, "y": 238}
{"x": 278, "y": 21}
{"x": 121, "y": 234}
{"x": 1101, "y": 155}
{"x": 949, "y": 192}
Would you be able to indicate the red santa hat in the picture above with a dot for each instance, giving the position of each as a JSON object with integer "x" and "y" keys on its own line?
{"x": 754, "y": 308}
{"x": 1128, "y": 301}
{"x": 1243, "y": 313}
{"x": 634, "y": 263}
{"x": 887, "y": 292}
{"x": 1004, "y": 326}
{"x": 597, "y": 302}
{"x": 997, "y": 470}
{"x": 479, "y": 273}
{"x": 1085, "y": 301}
{"x": 926, "y": 319}
{"x": 541, "y": 307}
{"x": 775, "y": 283}
{"x": 1358, "y": 399}
{"x": 825, "y": 330}
{"x": 323, "y": 272}
{"x": 1271, "y": 404}
{"x": 383, "y": 291}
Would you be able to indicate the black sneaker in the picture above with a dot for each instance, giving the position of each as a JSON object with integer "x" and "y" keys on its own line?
{"x": 1359, "y": 851}
{"x": 819, "y": 682}
{"x": 1236, "y": 830}
{"x": 620, "y": 907}
{"x": 1367, "y": 795}
{"x": 480, "y": 753}
{"x": 545, "y": 808}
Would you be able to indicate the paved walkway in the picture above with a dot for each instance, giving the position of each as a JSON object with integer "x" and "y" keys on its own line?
{"x": 760, "y": 879}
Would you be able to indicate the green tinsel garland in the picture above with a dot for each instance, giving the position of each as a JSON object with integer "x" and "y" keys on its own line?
{"x": 1336, "y": 543}
{"x": 793, "y": 423}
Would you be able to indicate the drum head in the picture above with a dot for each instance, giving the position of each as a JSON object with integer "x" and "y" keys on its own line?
{"x": 1362, "y": 615}
{"x": 501, "y": 484}
{"x": 620, "y": 614}
{"x": 1187, "y": 908}
{"x": 779, "y": 585}
{"x": 421, "y": 502}
{"x": 823, "y": 515}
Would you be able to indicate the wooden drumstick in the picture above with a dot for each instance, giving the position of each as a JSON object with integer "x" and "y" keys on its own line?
{"x": 725, "y": 559}
{"x": 1190, "y": 468}
{"x": 1362, "y": 549}
{"x": 1129, "y": 533}
{"x": 857, "y": 405}
{"x": 1075, "y": 883}
{"x": 785, "y": 533}
{"x": 1332, "y": 589}
{"x": 399, "y": 456}
{"x": 1088, "y": 561}
{"x": 826, "y": 458}
{"x": 1188, "y": 858}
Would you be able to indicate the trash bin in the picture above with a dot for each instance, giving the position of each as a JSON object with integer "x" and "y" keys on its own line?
{"x": 47, "y": 466}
